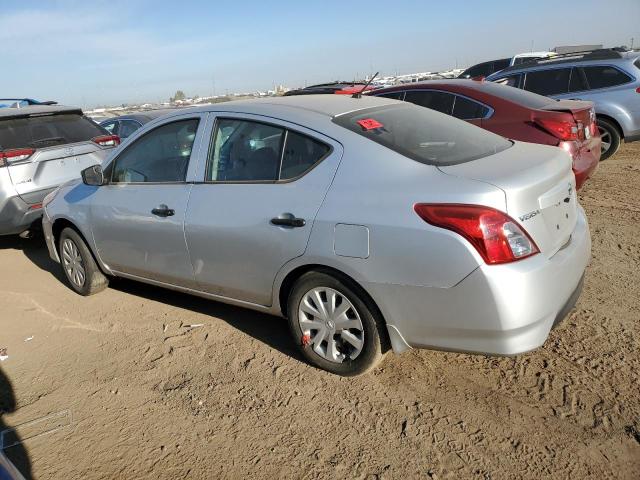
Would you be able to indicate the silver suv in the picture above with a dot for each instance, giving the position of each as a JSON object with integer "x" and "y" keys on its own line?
{"x": 42, "y": 147}
{"x": 610, "y": 79}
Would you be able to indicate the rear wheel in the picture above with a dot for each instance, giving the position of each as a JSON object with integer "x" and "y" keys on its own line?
{"x": 80, "y": 268}
{"x": 610, "y": 137}
{"x": 333, "y": 325}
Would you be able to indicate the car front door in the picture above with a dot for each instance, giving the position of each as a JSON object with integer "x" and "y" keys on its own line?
{"x": 254, "y": 209}
{"x": 138, "y": 217}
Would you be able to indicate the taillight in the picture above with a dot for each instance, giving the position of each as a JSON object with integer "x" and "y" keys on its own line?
{"x": 562, "y": 129}
{"x": 16, "y": 155}
{"x": 495, "y": 235}
{"x": 638, "y": 90}
{"x": 107, "y": 140}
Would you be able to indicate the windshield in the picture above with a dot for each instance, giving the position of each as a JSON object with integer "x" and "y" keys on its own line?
{"x": 423, "y": 134}
{"x": 47, "y": 131}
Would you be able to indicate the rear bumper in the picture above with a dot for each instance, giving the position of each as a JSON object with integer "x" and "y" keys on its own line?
{"x": 16, "y": 216}
{"x": 584, "y": 166}
{"x": 497, "y": 309}
{"x": 47, "y": 229}
{"x": 586, "y": 161}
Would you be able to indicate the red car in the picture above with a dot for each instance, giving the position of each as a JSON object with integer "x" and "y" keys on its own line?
{"x": 513, "y": 113}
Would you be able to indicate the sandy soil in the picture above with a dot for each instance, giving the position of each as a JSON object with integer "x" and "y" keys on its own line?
{"x": 136, "y": 391}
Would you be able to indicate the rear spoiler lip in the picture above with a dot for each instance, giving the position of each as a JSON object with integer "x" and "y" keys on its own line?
{"x": 18, "y": 114}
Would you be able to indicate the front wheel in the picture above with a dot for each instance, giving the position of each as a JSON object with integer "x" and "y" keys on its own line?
{"x": 80, "y": 268}
{"x": 610, "y": 137}
{"x": 333, "y": 325}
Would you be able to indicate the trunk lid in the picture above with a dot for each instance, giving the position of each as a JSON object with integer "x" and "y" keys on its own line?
{"x": 539, "y": 188}
{"x": 582, "y": 113}
{"x": 49, "y": 167}
{"x": 61, "y": 141}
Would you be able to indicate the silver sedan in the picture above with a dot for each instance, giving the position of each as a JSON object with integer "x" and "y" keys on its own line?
{"x": 368, "y": 223}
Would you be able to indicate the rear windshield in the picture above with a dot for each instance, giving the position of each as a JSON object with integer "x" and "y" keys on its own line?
{"x": 47, "y": 131}
{"x": 517, "y": 95}
{"x": 422, "y": 134}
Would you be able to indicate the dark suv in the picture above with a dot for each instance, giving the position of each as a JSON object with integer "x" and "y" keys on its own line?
{"x": 608, "y": 78}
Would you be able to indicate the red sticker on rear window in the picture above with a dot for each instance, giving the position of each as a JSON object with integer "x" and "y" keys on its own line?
{"x": 370, "y": 124}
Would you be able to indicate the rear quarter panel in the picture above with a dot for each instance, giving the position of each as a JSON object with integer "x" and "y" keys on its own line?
{"x": 377, "y": 188}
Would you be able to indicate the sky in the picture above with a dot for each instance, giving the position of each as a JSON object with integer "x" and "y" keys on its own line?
{"x": 130, "y": 51}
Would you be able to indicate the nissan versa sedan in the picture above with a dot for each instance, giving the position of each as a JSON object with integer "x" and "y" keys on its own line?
{"x": 367, "y": 222}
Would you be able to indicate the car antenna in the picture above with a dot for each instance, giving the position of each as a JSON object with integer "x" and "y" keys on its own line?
{"x": 359, "y": 94}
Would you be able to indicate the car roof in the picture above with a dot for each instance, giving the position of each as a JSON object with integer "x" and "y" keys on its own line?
{"x": 486, "y": 90}
{"x": 37, "y": 110}
{"x": 144, "y": 117}
{"x": 326, "y": 105}
{"x": 568, "y": 59}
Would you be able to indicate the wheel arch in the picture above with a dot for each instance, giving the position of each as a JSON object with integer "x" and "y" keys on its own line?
{"x": 613, "y": 121}
{"x": 291, "y": 277}
{"x": 59, "y": 224}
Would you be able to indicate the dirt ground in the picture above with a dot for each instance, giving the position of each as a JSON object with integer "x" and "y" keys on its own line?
{"x": 125, "y": 384}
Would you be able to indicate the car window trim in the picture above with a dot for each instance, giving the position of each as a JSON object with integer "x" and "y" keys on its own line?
{"x": 486, "y": 117}
{"x": 615, "y": 67}
{"x": 431, "y": 90}
{"x": 523, "y": 74}
{"x": 556, "y": 67}
{"x": 286, "y": 129}
{"x": 169, "y": 121}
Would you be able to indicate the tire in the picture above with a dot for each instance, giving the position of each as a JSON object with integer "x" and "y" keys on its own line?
{"x": 79, "y": 266}
{"x": 360, "y": 324}
{"x": 610, "y": 135}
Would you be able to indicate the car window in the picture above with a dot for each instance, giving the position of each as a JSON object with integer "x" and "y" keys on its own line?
{"x": 517, "y": 95}
{"x": 127, "y": 127}
{"x": 577, "y": 82}
{"x": 499, "y": 65}
{"x": 422, "y": 134}
{"x": 393, "y": 95}
{"x": 485, "y": 69}
{"x": 466, "y": 109}
{"x": 162, "y": 155}
{"x": 548, "y": 82}
{"x": 244, "y": 150}
{"x": 510, "y": 81}
{"x": 435, "y": 100}
{"x": 602, "y": 76}
{"x": 300, "y": 154}
{"x": 111, "y": 127}
{"x": 47, "y": 131}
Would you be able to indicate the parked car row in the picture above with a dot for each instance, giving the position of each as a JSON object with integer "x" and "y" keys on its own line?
{"x": 386, "y": 220}
{"x": 515, "y": 114}
{"x": 608, "y": 78}
{"x": 367, "y": 222}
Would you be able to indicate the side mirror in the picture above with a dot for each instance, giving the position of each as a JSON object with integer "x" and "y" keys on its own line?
{"x": 93, "y": 176}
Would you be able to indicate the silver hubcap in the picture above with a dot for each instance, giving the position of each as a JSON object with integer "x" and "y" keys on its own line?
{"x": 605, "y": 137}
{"x": 72, "y": 262}
{"x": 330, "y": 324}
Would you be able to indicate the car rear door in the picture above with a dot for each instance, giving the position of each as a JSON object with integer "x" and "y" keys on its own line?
{"x": 254, "y": 209}
{"x": 138, "y": 217}
{"x": 61, "y": 147}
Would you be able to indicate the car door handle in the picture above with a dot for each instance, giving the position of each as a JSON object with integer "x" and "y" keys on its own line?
{"x": 288, "y": 220}
{"x": 163, "y": 211}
